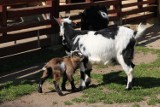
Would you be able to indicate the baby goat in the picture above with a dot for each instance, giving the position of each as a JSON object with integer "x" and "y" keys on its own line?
{"x": 58, "y": 67}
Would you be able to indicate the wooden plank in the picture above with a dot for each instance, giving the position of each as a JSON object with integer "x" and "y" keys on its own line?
{"x": 18, "y": 48}
{"x": 138, "y": 3}
{"x": 75, "y": 6}
{"x": 139, "y": 18}
{"x": 23, "y": 47}
{"x": 113, "y": 11}
{"x": 75, "y": 17}
{"x": 21, "y": 12}
{"x": 13, "y": 2}
{"x": 23, "y": 35}
{"x": 45, "y": 42}
{"x": 136, "y": 11}
{"x": 113, "y": 18}
{"x": 26, "y": 25}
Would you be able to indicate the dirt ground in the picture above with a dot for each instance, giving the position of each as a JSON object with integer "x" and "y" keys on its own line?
{"x": 52, "y": 99}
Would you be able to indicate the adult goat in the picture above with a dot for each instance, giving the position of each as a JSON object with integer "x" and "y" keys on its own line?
{"x": 101, "y": 47}
{"x": 94, "y": 18}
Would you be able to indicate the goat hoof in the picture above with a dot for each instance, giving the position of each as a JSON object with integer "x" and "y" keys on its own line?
{"x": 60, "y": 94}
{"x": 40, "y": 90}
{"x": 88, "y": 81}
{"x": 81, "y": 88}
{"x": 128, "y": 88}
{"x": 130, "y": 85}
{"x": 75, "y": 90}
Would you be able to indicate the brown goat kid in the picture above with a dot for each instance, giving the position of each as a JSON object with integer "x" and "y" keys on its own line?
{"x": 57, "y": 67}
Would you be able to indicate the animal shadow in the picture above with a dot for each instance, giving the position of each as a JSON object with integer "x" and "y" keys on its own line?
{"x": 143, "y": 82}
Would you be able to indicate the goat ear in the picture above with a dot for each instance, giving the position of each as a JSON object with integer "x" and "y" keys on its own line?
{"x": 83, "y": 17}
{"x": 68, "y": 53}
{"x": 72, "y": 53}
{"x": 69, "y": 17}
{"x": 75, "y": 53}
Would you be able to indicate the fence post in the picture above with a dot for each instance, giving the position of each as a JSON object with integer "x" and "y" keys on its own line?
{"x": 55, "y": 13}
{"x": 88, "y": 1}
{"x": 68, "y": 1}
{"x": 119, "y": 8}
{"x": 4, "y": 18}
{"x": 139, "y": 6}
{"x": 158, "y": 7}
{"x": 55, "y": 27}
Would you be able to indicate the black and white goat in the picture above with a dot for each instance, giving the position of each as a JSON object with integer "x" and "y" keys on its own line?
{"x": 94, "y": 18}
{"x": 101, "y": 47}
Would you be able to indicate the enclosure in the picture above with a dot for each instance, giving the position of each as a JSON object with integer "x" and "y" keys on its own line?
{"x": 28, "y": 41}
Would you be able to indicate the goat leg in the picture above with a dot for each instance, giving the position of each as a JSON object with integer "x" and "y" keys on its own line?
{"x": 45, "y": 75}
{"x": 73, "y": 87}
{"x": 64, "y": 82}
{"x": 88, "y": 77}
{"x": 57, "y": 88}
{"x": 40, "y": 87}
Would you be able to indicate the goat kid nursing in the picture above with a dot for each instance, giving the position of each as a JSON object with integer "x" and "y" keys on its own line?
{"x": 101, "y": 47}
{"x": 65, "y": 67}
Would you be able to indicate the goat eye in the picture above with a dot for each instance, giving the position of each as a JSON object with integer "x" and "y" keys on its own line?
{"x": 103, "y": 14}
{"x": 77, "y": 54}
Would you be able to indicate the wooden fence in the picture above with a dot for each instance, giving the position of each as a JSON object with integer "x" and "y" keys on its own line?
{"x": 14, "y": 37}
{"x": 122, "y": 11}
{"x": 20, "y": 37}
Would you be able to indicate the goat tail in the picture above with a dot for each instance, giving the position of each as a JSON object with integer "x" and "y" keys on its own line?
{"x": 44, "y": 68}
{"x": 140, "y": 31}
{"x": 47, "y": 68}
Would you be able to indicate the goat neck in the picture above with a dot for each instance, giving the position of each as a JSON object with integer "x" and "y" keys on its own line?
{"x": 69, "y": 32}
{"x": 67, "y": 37}
{"x": 75, "y": 62}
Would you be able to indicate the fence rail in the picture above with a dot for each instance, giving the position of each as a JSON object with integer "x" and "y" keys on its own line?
{"x": 121, "y": 11}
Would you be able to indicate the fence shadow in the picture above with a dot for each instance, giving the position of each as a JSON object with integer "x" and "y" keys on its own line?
{"x": 151, "y": 35}
{"x": 26, "y": 76}
{"x": 26, "y": 67}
